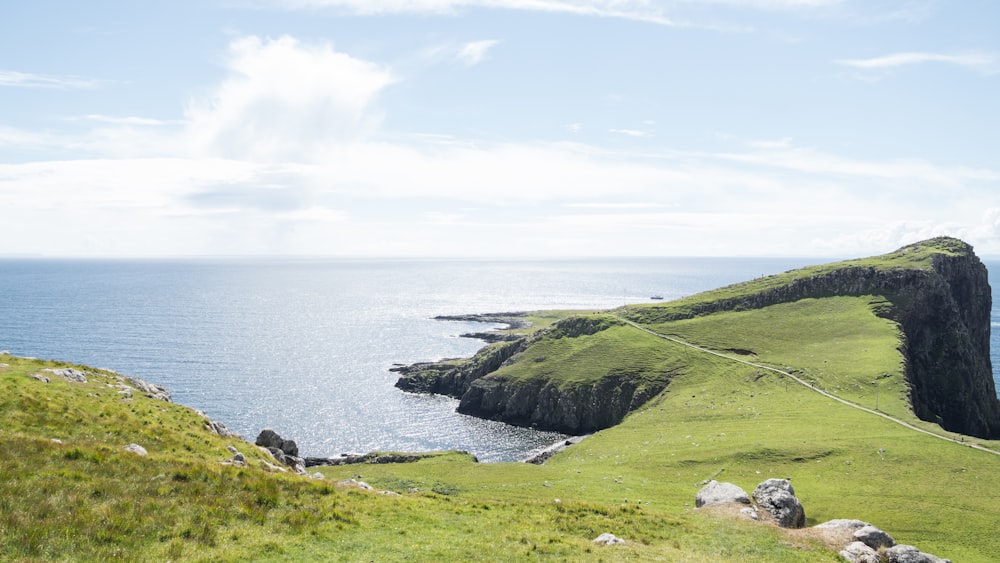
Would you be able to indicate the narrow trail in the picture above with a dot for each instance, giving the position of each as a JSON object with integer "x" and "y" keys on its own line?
{"x": 807, "y": 385}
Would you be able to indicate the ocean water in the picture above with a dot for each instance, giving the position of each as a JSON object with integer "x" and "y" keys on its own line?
{"x": 305, "y": 346}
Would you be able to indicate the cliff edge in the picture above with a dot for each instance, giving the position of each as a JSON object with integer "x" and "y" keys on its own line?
{"x": 937, "y": 291}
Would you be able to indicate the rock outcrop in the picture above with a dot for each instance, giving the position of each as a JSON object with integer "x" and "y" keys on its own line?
{"x": 284, "y": 451}
{"x": 777, "y": 497}
{"x": 548, "y": 404}
{"x": 551, "y": 405}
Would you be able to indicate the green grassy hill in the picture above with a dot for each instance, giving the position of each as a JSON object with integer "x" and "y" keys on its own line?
{"x": 70, "y": 491}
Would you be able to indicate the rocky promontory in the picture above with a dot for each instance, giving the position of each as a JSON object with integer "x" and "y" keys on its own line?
{"x": 937, "y": 292}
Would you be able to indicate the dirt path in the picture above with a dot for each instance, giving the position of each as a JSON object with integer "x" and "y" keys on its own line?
{"x": 809, "y": 386}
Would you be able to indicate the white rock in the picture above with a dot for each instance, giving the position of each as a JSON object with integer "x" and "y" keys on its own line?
{"x": 608, "y": 539}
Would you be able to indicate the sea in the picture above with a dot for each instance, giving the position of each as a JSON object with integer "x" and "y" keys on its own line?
{"x": 305, "y": 346}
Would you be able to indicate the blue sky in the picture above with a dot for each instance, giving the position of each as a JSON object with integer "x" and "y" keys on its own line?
{"x": 498, "y": 128}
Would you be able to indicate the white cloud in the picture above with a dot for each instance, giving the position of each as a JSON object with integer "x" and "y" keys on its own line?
{"x": 988, "y": 63}
{"x": 282, "y": 99}
{"x": 284, "y": 156}
{"x": 640, "y": 10}
{"x": 115, "y": 120}
{"x": 28, "y": 80}
{"x": 473, "y": 53}
{"x": 630, "y": 132}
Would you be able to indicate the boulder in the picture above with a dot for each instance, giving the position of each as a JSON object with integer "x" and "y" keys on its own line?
{"x": 270, "y": 439}
{"x": 136, "y": 449}
{"x": 608, "y": 539}
{"x": 720, "y": 493}
{"x": 910, "y": 554}
{"x": 842, "y": 524}
{"x": 873, "y": 537}
{"x": 777, "y": 497}
{"x": 857, "y": 552}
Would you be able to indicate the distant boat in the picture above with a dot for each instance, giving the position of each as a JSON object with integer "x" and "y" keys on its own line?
{"x": 656, "y": 297}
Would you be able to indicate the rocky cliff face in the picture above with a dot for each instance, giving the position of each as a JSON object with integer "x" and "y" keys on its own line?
{"x": 943, "y": 312}
{"x": 544, "y": 404}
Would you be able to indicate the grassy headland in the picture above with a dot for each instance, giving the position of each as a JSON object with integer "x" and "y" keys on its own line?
{"x": 69, "y": 490}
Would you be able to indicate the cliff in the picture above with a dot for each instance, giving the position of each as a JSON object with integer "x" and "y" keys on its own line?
{"x": 937, "y": 291}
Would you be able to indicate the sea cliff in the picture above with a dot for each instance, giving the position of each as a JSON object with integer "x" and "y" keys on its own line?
{"x": 937, "y": 291}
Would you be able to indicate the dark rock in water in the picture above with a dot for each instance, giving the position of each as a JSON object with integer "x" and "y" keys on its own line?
{"x": 777, "y": 497}
{"x": 512, "y": 320}
{"x": 370, "y": 458}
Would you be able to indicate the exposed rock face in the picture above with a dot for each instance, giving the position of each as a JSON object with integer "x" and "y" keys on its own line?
{"x": 777, "y": 497}
{"x": 546, "y": 404}
{"x": 453, "y": 378}
{"x": 572, "y": 409}
{"x": 944, "y": 314}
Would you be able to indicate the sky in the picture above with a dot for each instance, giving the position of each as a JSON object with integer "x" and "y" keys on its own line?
{"x": 497, "y": 128}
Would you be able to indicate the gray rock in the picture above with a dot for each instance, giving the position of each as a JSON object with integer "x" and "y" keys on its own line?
{"x": 219, "y": 428}
{"x": 151, "y": 390}
{"x": 239, "y": 458}
{"x": 232, "y": 450}
{"x": 873, "y": 537}
{"x": 69, "y": 373}
{"x": 857, "y": 552}
{"x": 270, "y": 439}
{"x": 910, "y": 554}
{"x": 842, "y": 524}
{"x": 608, "y": 539}
{"x": 777, "y": 497}
{"x": 136, "y": 449}
{"x": 720, "y": 493}
{"x": 39, "y": 377}
{"x": 355, "y": 483}
{"x": 750, "y": 513}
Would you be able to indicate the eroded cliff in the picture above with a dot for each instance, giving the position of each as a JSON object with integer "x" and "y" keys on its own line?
{"x": 936, "y": 290}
